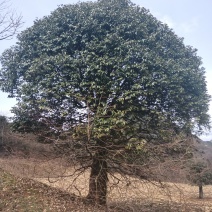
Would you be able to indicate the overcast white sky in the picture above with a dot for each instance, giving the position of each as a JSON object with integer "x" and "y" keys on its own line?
{"x": 191, "y": 19}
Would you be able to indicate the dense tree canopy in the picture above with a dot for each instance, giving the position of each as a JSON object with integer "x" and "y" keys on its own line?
{"x": 109, "y": 67}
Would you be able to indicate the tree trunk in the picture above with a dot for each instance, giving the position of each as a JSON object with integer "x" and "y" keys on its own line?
{"x": 200, "y": 191}
{"x": 98, "y": 179}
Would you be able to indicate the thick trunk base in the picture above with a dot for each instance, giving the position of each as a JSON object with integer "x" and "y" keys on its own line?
{"x": 98, "y": 181}
{"x": 200, "y": 192}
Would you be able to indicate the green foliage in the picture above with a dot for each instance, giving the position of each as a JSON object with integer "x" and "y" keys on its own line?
{"x": 3, "y": 121}
{"x": 4, "y": 128}
{"x": 108, "y": 65}
{"x": 201, "y": 174}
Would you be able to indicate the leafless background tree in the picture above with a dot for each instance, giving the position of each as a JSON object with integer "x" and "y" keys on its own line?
{"x": 10, "y": 21}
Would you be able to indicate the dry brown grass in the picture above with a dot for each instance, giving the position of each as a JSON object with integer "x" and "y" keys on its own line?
{"x": 125, "y": 194}
{"x": 133, "y": 193}
{"x": 25, "y": 195}
{"x": 128, "y": 194}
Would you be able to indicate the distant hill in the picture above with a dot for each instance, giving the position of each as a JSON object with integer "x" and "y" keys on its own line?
{"x": 175, "y": 159}
{"x": 204, "y": 150}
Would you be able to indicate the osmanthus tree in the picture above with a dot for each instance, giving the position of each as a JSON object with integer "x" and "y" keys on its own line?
{"x": 111, "y": 74}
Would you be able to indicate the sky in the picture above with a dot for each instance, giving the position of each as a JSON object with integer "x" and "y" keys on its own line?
{"x": 190, "y": 19}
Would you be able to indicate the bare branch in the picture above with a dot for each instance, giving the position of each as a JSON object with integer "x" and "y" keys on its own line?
{"x": 10, "y": 21}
